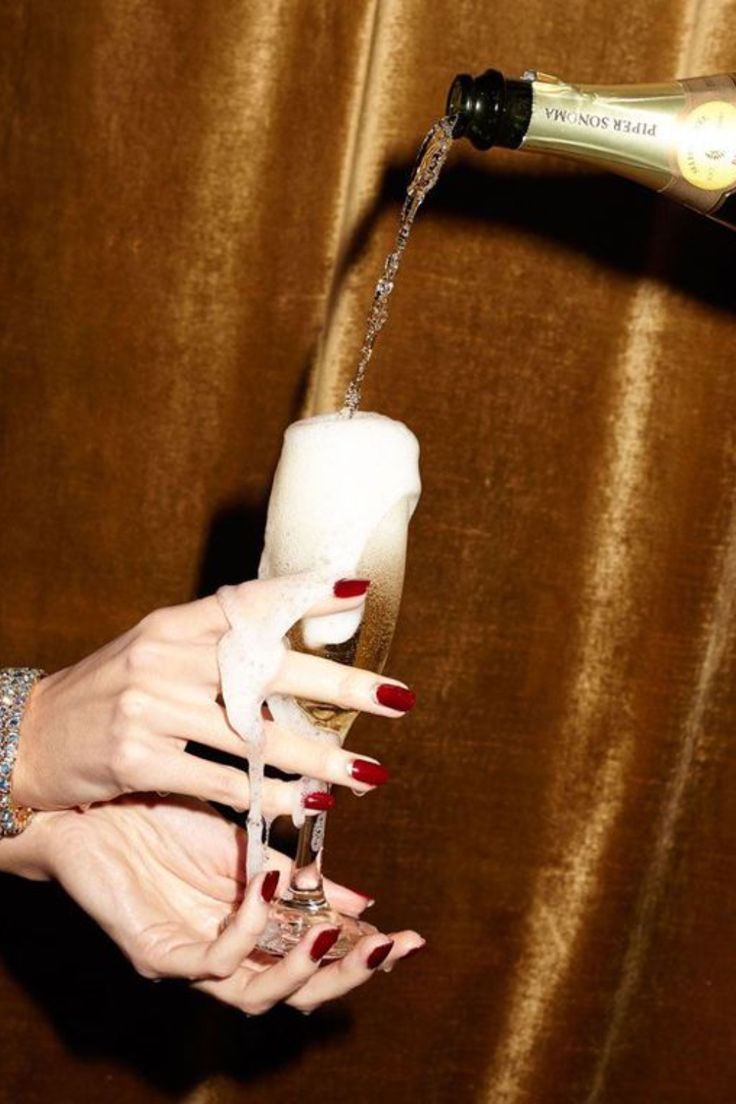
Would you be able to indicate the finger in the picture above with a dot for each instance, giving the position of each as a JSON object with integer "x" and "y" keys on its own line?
{"x": 324, "y": 680}
{"x": 341, "y": 976}
{"x": 181, "y": 773}
{"x": 206, "y": 724}
{"x": 287, "y": 751}
{"x": 357, "y": 967}
{"x": 220, "y": 957}
{"x": 205, "y": 620}
{"x": 350, "y": 901}
{"x": 255, "y": 992}
{"x": 177, "y": 670}
{"x": 405, "y": 945}
{"x": 290, "y": 973}
{"x": 199, "y": 719}
{"x": 287, "y": 599}
{"x": 339, "y": 602}
{"x": 296, "y": 754}
{"x": 189, "y": 675}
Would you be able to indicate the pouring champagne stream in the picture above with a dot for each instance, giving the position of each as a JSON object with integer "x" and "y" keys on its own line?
{"x": 345, "y": 489}
{"x": 343, "y": 495}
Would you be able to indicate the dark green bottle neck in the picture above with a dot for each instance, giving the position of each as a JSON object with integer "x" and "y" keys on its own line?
{"x": 491, "y": 111}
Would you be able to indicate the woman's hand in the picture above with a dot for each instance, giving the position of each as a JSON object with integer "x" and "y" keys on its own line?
{"x": 119, "y": 721}
{"x": 163, "y": 878}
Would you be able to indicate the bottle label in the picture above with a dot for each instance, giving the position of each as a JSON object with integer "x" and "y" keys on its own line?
{"x": 706, "y": 146}
{"x": 628, "y": 129}
{"x": 678, "y": 138}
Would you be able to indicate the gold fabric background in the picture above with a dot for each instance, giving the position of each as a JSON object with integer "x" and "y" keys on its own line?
{"x": 192, "y": 194}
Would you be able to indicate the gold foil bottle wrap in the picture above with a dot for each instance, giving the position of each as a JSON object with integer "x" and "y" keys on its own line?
{"x": 678, "y": 138}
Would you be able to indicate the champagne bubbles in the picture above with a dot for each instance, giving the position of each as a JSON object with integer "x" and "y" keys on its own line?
{"x": 427, "y": 168}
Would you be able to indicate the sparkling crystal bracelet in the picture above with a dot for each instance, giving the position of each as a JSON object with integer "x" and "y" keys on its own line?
{"x": 16, "y": 684}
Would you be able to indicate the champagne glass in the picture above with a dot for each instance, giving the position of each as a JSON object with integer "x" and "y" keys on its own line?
{"x": 342, "y": 497}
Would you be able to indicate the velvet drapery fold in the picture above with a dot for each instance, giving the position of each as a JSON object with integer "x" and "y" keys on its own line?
{"x": 197, "y": 200}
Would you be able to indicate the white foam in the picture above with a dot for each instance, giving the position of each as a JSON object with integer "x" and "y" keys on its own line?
{"x": 341, "y": 484}
{"x": 249, "y": 656}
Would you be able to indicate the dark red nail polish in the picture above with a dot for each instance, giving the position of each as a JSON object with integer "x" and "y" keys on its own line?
{"x": 414, "y": 950}
{"x": 320, "y": 800}
{"x": 268, "y": 886}
{"x": 379, "y": 955}
{"x": 372, "y": 774}
{"x": 323, "y": 942}
{"x": 350, "y": 588}
{"x": 395, "y": 697}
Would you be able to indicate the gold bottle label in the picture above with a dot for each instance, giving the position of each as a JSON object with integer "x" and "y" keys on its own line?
{"x": 678, "y": 137}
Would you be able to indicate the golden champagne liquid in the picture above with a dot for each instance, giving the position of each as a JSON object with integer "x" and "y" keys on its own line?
{"x": 367, "y": 648}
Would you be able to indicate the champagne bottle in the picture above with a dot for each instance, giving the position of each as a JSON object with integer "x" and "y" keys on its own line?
{"x": 678, "y": 137}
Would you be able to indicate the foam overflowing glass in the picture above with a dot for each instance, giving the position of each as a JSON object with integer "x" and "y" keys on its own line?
{"x": 342, "y": 498}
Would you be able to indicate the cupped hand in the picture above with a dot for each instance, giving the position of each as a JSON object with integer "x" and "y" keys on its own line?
{"x": 119, "y": 721}
{"x": 164, "y": 879}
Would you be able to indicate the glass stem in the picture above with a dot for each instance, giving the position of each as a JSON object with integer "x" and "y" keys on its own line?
{"x": 306, "y": 889}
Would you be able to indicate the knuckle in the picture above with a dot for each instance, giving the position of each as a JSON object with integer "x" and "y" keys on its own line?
{"x": 323, "y": 761}
{"x": 255, "y": 1007}
{"x": 142, "y": 655}
{"x": 232, "y": 786}
{"x": 143, "y": 966}
{"x": 130, "y": 705}
{"x": 280, "y": 798}
{"x": 154, "y": 625}
{"x": 128, "y": 762}
{"x": 350, "y": 686}
{"x": 218, "y": 970}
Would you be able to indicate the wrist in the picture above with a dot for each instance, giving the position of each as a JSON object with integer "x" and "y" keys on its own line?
{"x": 32, "y": 853}
{"x": 18, "y": 686}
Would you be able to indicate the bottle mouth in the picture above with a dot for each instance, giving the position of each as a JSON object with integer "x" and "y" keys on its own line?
{"x": 459, "y": 103}
{"x": 490, "y": 110}
{"x": 477, "y": 102}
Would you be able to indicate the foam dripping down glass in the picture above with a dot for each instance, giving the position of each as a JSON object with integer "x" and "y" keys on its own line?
{"x": 343, "y": 494}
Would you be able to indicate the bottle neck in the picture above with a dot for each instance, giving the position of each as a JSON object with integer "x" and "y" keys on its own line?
{"x": 677, "y": 137}
{"x": 490, "y": 110}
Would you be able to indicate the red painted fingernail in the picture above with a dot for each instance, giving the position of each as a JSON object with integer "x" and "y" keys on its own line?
{"x": 395, "y": 697}
{"x": 323, "y": 942}
{"x": 372, "y": 774}
{"x": 379, "y": 955}
{"x": 268, "y": 886}
{"x": 414, "y": 950}
{"x": 320, "y": 800}
{"x": 350, "y": 588}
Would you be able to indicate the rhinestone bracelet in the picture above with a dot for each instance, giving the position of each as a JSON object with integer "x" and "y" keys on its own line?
{"x": 16, "y": 684}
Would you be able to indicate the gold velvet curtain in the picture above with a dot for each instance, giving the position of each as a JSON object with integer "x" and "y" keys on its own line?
{"x": 197, "y": 198}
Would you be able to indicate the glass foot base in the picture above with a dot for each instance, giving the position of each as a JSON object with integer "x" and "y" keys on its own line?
{"x": 289, "y": 922}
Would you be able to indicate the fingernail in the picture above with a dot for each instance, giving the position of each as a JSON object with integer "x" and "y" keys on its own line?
{"x": 350, "y": 588}
{"x": 372, "y": 774}
{"x": 323, "y": 942}
{"x": 320, "y": 800}
{"x": 414, "y": 950}
{"x": 379, "y": 955}
{"x": 268, "y": 886}
{"x": 395, "y": 697}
